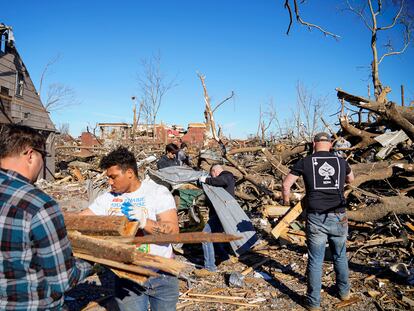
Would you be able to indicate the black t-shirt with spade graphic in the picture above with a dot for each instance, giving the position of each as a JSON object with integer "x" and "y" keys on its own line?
{"x": 324, "y": 175}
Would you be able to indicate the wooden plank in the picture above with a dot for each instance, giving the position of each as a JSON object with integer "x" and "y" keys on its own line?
{"x": 100, "y": 225}
{"x": 137, "y": 278}
{"x": 289, "y": 217}
{"x": 274, "y": 210}
{"x": 121, "y": 253}
{"x": 185, "y": 238}
{"x": 230, "y": 302}
{"x": 347, "y": 303}
{"x": 116, "y": 265}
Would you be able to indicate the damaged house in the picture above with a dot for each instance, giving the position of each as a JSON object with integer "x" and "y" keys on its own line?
{"x": 19, "y": 101}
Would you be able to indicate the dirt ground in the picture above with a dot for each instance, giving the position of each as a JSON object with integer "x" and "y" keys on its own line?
{"x": 278, "y": 284}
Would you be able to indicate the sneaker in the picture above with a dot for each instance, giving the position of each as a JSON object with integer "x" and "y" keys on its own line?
{"x": 312, "y": 308}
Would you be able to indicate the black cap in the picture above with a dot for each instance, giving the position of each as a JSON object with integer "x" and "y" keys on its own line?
{"x": 322, "y": 136}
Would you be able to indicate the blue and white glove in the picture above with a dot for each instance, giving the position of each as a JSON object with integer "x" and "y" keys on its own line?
{"x": 135, "y": 214}
{"x": 202, "y": 179}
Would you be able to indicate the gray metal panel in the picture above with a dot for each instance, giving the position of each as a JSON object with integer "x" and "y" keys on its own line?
{"x": 232, "y": 217}
{"x": 175, "y": 175}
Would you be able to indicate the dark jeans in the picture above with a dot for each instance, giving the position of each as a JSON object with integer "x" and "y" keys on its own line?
{"x": 213, "y": 226}
{"x": 160, "y": 292}
{"x": 332, "y": 227}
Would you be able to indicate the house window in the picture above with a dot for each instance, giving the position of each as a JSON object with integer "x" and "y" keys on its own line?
{"x": 3, "y": 42}
{"x": 19, "y": 84}
{"x": 4, "y": 91}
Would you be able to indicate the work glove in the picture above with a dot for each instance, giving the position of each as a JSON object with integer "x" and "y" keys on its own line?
{"x": 202, "y": 179}
{"x": 139, "y": 214}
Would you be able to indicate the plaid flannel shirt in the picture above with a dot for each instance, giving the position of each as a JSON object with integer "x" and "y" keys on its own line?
{"x": 36, "y": 261}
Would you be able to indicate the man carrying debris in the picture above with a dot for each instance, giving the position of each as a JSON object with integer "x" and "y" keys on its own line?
{"x": 36, "y": 262}
{"x": 219, "y": 178}
{"x": 169, "y": 158}
{"x": 154, "y": 208}
{"x": 325, "y": 175}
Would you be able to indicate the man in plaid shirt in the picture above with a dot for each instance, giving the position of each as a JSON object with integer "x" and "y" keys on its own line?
{"x": 36, "y": 261}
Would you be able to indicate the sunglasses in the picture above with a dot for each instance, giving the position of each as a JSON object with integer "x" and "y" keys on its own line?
{"x": 43, "y": 152}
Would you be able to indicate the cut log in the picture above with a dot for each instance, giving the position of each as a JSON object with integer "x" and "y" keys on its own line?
{"x": 246, "y": 149}
{"x": 121, "y": 252}
{"x": 376, "y": 171}
{"x": 101, "y": 225}
{"x": 185, "y": 238}
{"x": 367, "y": 138}
{"x": 396, "y": 204}
{"x": 401, "y": 117}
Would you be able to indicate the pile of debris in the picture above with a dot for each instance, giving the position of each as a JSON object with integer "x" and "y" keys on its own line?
{"x": 380, "y": 245}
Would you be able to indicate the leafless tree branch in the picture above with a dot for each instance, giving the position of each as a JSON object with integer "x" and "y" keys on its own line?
{"x": 223, "y": 101}
{"x": 303, "y": 22}
{"x": 60, "y": 96}
{"x": 154, "y": 86}
{"x": 51, "y": 62}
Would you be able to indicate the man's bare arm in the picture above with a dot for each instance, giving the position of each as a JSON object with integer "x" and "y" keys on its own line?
{"x": 288, "y": 182}
{"x": 350, "y": 177}
{"x": 167, "y": 223}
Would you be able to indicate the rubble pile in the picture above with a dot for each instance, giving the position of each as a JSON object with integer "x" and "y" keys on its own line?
{"x": 381, "y": 225}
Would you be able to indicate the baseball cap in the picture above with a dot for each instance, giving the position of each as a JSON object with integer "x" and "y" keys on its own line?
{"x": 322, "y": 136}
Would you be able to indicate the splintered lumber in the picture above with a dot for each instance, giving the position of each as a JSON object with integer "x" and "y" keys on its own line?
{"x": 117, "y": 265}
{"x": 274, "y": 210}
{"x": 121, "y": 252}
{"x": 101, "y": 225}
{"x": 230, "y": 302}
{"x": 137, "y": 278}
{"x": 347, "y": 303}
{"x": 284, "y": 223}
{"x": 185, "y": 238}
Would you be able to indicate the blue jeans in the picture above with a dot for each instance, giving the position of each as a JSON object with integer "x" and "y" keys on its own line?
{"x": 213, "y": 226}
{"x": 332, "y": 227}
{"x": 160, "y": 292}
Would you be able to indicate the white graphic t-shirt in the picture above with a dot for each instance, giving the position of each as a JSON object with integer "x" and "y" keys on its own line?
{"x": 151, "y": 196}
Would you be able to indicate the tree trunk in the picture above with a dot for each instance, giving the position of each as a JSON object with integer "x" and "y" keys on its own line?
{"x": 396, "y": 204}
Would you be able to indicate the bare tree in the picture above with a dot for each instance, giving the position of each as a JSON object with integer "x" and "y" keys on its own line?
{"x": 154, "y": 86}
{"x": 401, "y": 19}
{"x": 266, "y": 119}
{"x": 58, "y": 95}
{"x": 49, "y": 64}
{"x": 309, "y": 110}
{"x": 209, "y": 111}
{"x": 63, "y": 128}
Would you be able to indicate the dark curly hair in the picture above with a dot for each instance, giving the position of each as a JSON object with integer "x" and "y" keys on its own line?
{"x": 171, "y": 148}
{"x": 15, "y": 138}
{"x": 122, "y": 157}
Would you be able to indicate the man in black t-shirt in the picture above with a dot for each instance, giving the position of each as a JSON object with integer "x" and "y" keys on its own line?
{"x": 325, "y": 175}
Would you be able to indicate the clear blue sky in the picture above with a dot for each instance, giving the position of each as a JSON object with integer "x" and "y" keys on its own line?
{"x": 239, "y": 45}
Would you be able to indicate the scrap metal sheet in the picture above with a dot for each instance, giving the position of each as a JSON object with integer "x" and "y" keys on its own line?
{"x": 232, "y": 217}
{"x": 175, "y": 175}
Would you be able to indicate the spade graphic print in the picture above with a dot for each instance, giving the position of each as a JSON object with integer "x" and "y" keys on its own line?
{"x": 326, "y": 172}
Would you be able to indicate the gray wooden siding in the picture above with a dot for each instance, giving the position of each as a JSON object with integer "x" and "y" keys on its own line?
{"x": 26, "y": 109}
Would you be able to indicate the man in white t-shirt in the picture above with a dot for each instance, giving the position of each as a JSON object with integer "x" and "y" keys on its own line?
{"x": 153, "y": 206}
